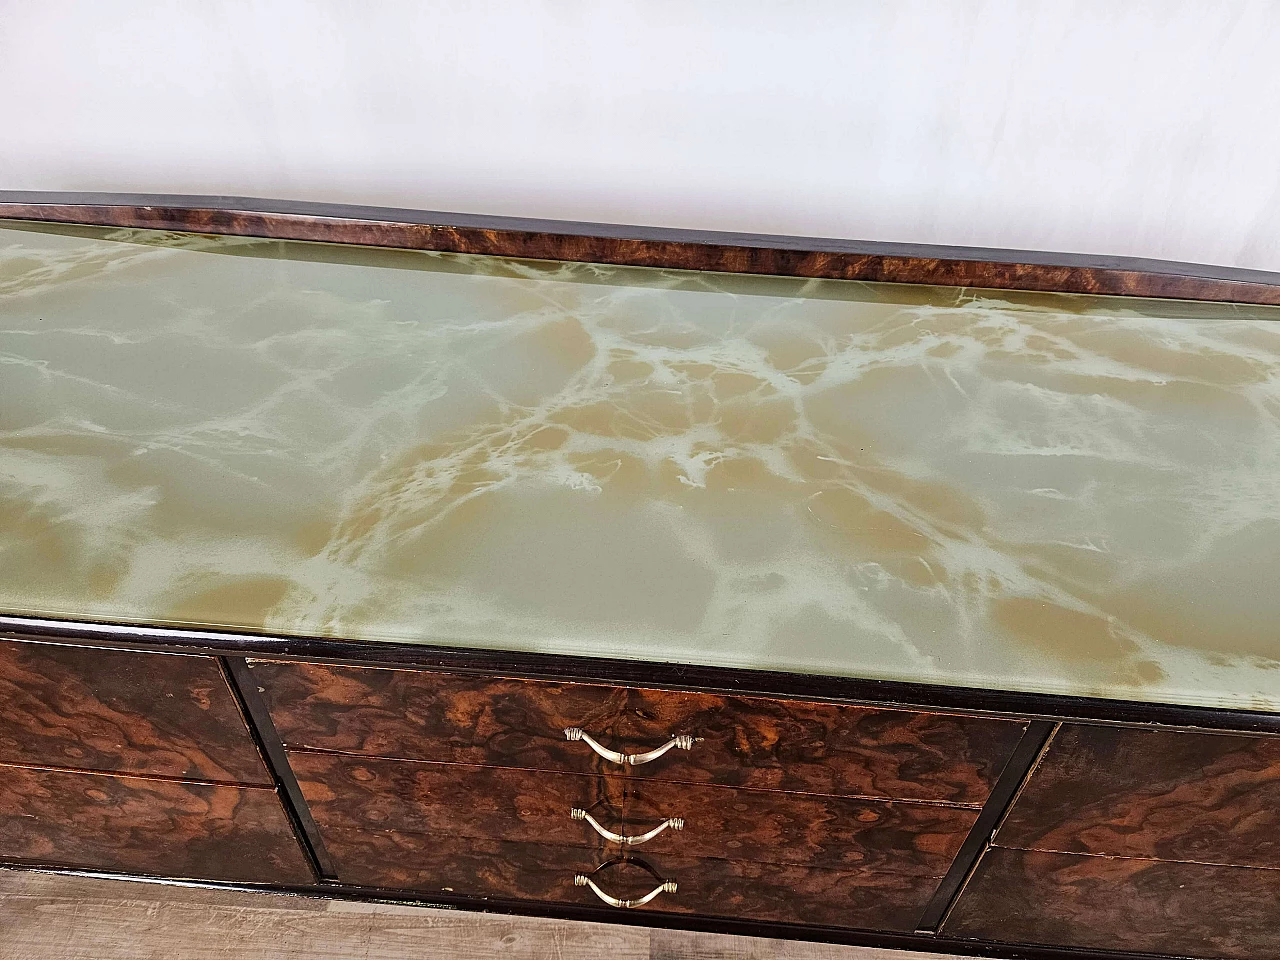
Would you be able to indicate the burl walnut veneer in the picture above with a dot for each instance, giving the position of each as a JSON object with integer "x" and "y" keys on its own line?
{"x": 1158, "y": 841}
{"x": 1157, "y": 794}
{"x": 439, "y": 864}
{"x": 163, "y": 828}
{"x": 152, "y": 714}
{"x": 774, "y": 809}
{"x": 135, "y": 762}
{"x": 1106, "y": 903}
{"x": 772, "y": 744}
{"x": 534, "y": 806}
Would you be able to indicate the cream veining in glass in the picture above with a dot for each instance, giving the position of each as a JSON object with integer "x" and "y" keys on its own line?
{"x": 1037, "y": 492}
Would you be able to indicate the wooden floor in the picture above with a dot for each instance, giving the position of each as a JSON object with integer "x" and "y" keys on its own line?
{"x": 49, "y": 917}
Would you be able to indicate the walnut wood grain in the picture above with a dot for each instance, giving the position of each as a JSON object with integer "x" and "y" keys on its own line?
{"x": 766, "y": 826}
{"x": 121, "y": 712}
{"x": 451, "y": 799}
{"x": 821, "y": 748}
{"x": 435, "y": 716}
{"x": 1170, "y": 795}
{"x": 532, "y": 806}
{"x": 652, "y": 247}
{"x": 1149, "y": 906}
{"x": 137, "y": 825}
{"x": 532, "y": 871}
{"x": 743, "y": 741}
{"x": 864, "y": 899}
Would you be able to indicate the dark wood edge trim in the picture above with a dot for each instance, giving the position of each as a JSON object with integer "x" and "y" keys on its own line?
{"x": 245, "y": 689}
{"x": 674, "y": 676}
{"x": 811, "y": 257}
{"x": 1015, "y": 773}
{"x": 635, "y": 918}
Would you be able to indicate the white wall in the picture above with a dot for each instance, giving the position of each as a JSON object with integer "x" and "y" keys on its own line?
{"x": 1105, "y": 126}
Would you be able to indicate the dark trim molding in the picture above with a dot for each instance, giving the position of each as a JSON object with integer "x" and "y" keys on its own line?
{"x": 1015, "y": 773}
{"x": 240, "y": 679}
{"x": 678, "y": 676}
{"x": 636, "y": 918}
{"x": 651, "y": 246}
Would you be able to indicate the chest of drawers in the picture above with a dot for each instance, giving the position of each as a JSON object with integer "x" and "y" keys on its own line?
{"x": 846, "y": 818}
{"x": 758, "y": 585}
{"x": 528, "y": 790}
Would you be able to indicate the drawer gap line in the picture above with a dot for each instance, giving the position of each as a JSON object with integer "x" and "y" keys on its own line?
{"x": 1126, "y": 856}
{"x": 133, "y": 775}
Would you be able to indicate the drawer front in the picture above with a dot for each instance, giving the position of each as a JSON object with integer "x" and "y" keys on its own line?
{"x": 138, "y": 713}
{"x": 751, "y": 742}
{"x": 822, "y": 748}
{"x": 136, "y": 825}
{"x": 1157, "y": 794}
{"x": 765, "y": 826}
{"x": 418, "y": 715}
{"x": 1150, "y": 906}
{"x": 738, "y": 889}
{"x": 351, "y": 794}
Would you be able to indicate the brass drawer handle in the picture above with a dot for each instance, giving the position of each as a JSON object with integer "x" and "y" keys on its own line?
{"x": 683, "y": 742}
{"x": 582, "y": 880}
{"x": 675, "y": 823}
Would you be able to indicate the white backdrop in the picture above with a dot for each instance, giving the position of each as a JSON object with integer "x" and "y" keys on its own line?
{"x": 1102, "y": 126}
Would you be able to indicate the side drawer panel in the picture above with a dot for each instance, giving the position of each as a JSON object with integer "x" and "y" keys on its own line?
{"x": 1156, "y": 794}
{"x": 1148, "y": 906}
{"x": 151, "y": 714}
{"x": 136, "y": 825}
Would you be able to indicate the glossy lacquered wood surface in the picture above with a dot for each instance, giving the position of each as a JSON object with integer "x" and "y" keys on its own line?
{"x": 123, "y": 712}
{"x": 648, "y": 246}
{"x": 919, "y": 839}
{"x": 824, "y": 748}
{"x": 349, "y": 794}
{"x": 1104, "y": 903}
{"x": 541, "y": 872}
{"x": 451, "y": 799}
{"x": 752, "y": 742}
{"x": 138, "y": 825}
{"x": 435, "y": 716}
{"x": 1169, "y": 795}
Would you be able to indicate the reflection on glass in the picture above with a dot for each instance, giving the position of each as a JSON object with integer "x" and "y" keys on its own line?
{"x": 1043, "y": 492}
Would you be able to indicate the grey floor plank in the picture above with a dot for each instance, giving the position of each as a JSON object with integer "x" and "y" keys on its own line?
{"x": 680, "y": 945}
{"x": 57, "y": 917}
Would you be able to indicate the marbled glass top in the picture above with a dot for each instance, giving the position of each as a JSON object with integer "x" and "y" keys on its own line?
{"x": 1036, "y": 492}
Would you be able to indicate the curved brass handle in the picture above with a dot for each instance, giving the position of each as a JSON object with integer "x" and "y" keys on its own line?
{"x": 666, "y": 886}
{"x": 683, "y": 742}
{"x": 675, "y": 823}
